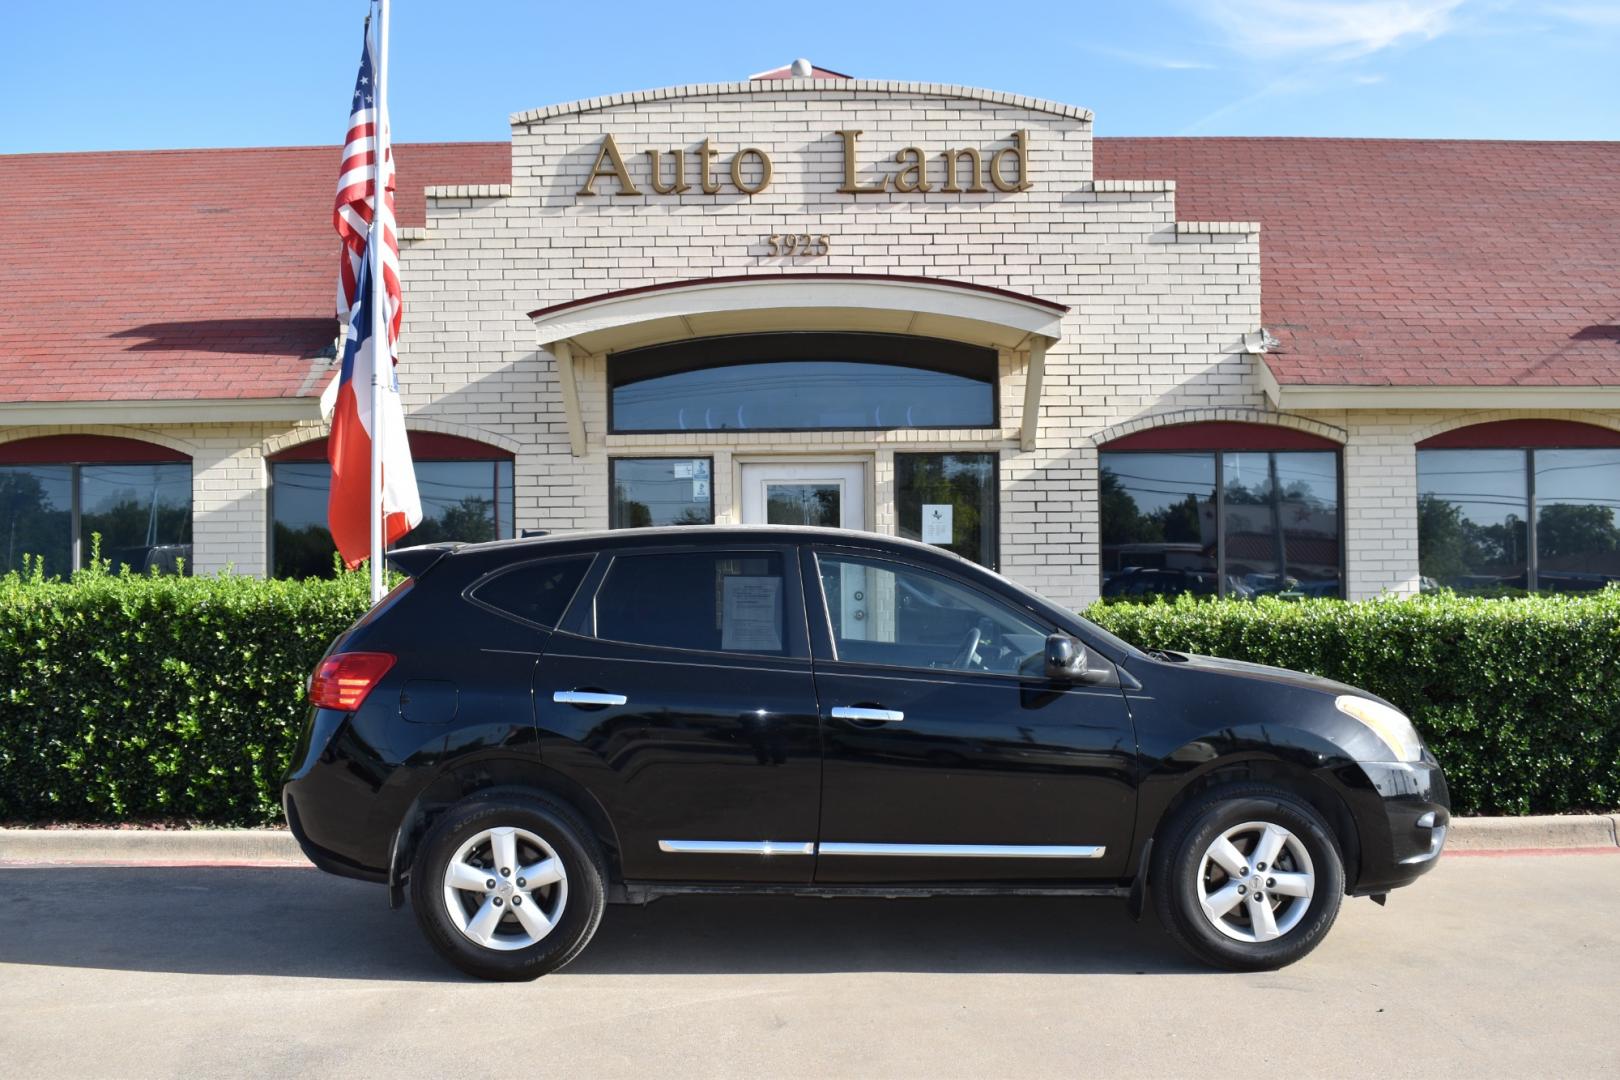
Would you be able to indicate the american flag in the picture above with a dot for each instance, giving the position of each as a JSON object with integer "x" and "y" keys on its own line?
{"x": 351, "y": 213}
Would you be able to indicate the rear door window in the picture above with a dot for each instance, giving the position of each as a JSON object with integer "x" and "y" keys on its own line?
{"x": 728, "y": 601}
{"x": 536, "y": 592}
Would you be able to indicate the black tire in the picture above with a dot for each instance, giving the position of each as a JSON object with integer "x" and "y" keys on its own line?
{"x": 1178, "y": 870}
{"x": 581, "y": 904}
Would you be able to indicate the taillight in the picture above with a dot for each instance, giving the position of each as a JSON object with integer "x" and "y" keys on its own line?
{"x": 343, "y": 680}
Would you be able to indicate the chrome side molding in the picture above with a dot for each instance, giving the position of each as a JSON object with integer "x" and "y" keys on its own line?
{"x": 935, "y": 851}
{"x": 737, "y": 847}
{"x": 970, "y": 851}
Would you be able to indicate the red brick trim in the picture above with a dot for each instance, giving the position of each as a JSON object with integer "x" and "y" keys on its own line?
{"x": 1221, "y": 435}
{"x": 425, "y": 446}
{"x": 1509, "y": 434}
{"x": 910, "y": 279}
{"x": 86, "y": 450}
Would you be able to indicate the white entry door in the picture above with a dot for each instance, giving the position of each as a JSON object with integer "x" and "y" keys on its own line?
{"x": 830, "y": 493}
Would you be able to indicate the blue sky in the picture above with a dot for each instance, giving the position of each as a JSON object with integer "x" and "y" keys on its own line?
{"x": 176, "y": 73}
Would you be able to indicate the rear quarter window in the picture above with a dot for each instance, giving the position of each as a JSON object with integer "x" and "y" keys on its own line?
{"x": 536, "y": 592}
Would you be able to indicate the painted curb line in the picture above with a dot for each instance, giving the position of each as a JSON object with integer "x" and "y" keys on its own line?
{"x": 276, "y": 847}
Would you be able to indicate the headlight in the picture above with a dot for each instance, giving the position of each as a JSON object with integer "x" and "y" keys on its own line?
{"x": 1390, "y": 725}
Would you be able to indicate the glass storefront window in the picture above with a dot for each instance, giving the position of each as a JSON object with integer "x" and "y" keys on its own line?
{"x": 1505, "y": 521}
{"x": 958, "y": 493}
{"x": 1158, "y": 524}
{"x": 36, "y": 512}
{"x": 660, "y": 491}
{"x": 141, "y": 512}
{"x": 470, "y": 501}
{"x": 1281, "y": 525}
{"x": 1473, "y": 520}
{"x": 1235, "y": 524}
{"x": 803, "y": 382}
{"x": 1577, "y": 537}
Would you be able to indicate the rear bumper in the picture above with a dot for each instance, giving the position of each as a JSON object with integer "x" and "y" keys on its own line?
{"x": 1403, "y": 824}
{"x": 329, "y": 802}
{"x": 330, "y": 861}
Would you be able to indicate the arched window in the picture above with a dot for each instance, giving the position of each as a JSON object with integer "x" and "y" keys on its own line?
{"x": 59, "y": 492}
{"x": 802, "y": 382}
{"x": 466, "y": 490}
{"x": 1220, "y": 509}
{"x": 1519, "y": 505}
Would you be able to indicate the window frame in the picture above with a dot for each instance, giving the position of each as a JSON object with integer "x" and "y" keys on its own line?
{"x": 1220, "y": 503}
{"x": 1532, "y": 508}
{"x": 580, "y": 618}
{"x": 823, "y": 622}
{"x": 993, "y": 361}
{"x": 613, "y": 468}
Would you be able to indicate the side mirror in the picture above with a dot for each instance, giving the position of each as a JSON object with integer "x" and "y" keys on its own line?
{"x": 1066, "y": 658}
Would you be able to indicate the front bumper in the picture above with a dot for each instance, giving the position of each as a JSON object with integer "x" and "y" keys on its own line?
{"x": 1403, "y": 823}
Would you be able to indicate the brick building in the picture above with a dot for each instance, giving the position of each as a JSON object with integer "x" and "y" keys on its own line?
{"x": 1104, "y": 366}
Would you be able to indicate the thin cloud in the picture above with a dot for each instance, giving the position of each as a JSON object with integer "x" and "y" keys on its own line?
{"x": 1600, "y": 15}
{"x": 1329, "y": 29}
{"x": 1315, "y": 38}
{"x": 1153, "y": 60}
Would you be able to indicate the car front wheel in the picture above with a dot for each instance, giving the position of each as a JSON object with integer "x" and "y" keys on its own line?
{"x": 1247, "y": 877}
{"x": 508, "y": 887}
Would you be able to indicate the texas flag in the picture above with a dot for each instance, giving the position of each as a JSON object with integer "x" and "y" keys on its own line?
{"x": 348, "y": 505}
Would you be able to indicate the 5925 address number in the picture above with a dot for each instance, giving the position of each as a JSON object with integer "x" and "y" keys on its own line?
{"x": 791, "y": 244}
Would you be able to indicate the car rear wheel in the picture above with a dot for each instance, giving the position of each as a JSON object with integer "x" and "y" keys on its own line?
{"x": 508, "y": 887}
{"x": 1247, "y": 877}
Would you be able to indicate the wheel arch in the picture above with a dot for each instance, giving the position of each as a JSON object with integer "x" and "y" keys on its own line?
{"x": 1292, "y": 776}
{"x": 495, "y": 775}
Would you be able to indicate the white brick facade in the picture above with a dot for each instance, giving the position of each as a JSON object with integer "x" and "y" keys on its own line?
{"x": 1154, "y": 334}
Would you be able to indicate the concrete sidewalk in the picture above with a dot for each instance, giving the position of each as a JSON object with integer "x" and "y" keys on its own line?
{"x": 276, "y": 847}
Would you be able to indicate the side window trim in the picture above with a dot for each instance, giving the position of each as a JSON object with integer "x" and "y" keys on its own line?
{"x": 469, "y": 594}
{"x": 581, "y": 618}
{"x": 825, "y": 641}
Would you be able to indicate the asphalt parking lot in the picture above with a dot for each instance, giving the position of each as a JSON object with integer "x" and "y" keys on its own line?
{"x": 1491, "y": 966}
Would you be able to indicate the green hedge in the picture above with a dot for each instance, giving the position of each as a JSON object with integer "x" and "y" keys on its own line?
{"x": 131, "y": 698}
{"x": 1519, "y": 699}
{"x": 137, "y": 698}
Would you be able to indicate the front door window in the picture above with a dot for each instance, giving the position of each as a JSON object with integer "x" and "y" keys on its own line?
{"x": 831, "y": 494}
{"x": 804, "y": 504}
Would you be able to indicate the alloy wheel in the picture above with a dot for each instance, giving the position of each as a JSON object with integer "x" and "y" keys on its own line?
{"x": 505, "y": 888}
{"x": 1255, "y": 882}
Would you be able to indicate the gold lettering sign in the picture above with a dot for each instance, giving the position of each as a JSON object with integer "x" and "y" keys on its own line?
{"x": 609, "y": 152}
{"x": 748, "y": 171}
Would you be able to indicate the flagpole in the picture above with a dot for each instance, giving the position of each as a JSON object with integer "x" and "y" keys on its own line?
{"x": 382, "y": 355}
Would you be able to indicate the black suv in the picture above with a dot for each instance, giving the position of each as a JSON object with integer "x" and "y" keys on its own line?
{"x": 526, "y": 730}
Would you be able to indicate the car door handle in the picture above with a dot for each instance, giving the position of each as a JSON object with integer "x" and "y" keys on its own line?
{"x": 880, "y": 716}
{"x": 587, "y": 697}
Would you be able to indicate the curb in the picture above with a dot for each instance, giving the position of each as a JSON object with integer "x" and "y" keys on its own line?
{"x": 276, "y": 847}
{"x": 1550, "y": 831}
{"x": 151, "y": 847}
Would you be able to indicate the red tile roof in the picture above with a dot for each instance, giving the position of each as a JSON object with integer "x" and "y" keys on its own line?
{"x": 209, "y": 273}
{"x": 1415, "y": 262}
{"x": 186, "y": 273}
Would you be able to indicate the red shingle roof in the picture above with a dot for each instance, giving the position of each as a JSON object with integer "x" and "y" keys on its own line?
{"x": 184, "y": 273}
{"x": 210, "y": 273}
{"x": 1415, "y": 262}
